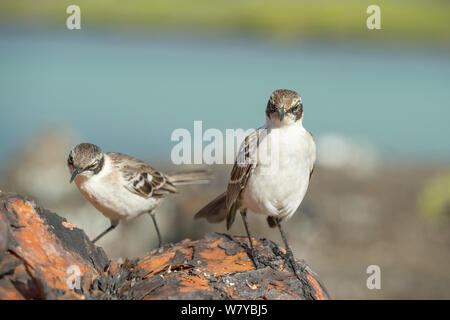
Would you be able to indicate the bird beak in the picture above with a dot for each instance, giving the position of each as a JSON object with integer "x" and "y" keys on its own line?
{"x": 282, "y": 112}
{"x": 75, "y": 172}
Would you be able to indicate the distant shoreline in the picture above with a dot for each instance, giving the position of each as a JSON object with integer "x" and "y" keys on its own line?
{"x": 408, "y": 22}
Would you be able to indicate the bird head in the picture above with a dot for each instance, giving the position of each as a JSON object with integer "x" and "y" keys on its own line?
{"x": 85, "y": 159}
{"x": 284, "y": 107}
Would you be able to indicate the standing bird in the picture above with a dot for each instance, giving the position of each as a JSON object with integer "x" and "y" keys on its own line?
{"x": 122, "y": 187}
{"x": 273, "y": 183}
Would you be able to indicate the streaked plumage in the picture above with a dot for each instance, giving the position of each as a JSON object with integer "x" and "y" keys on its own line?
{"x": 275, "y": 180}
{"x": 122, "y": 187}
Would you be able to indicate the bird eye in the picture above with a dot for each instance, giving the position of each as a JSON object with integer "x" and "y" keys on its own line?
{"x": 296, "y": 108}
{"x": 92, "y": 166}
{"x": 70, "y": 160}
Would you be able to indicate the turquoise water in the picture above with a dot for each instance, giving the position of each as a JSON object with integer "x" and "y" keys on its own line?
{"x": 129, "y": 92}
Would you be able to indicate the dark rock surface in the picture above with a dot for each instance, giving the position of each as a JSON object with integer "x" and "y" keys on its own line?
{"x": 42, "y": 256}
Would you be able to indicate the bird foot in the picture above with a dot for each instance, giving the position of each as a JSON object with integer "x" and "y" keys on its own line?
{"x": 253, "y": 254}
{"x": 290, "y": 260}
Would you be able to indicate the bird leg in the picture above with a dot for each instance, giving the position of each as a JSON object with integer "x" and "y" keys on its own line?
{"x": 114, "y": 223}
{"x": 289, "y": 255}
{"x": 253, "y": 253}
{"x": 157, "y": 230}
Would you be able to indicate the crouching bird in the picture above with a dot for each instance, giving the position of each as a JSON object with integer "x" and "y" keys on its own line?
{"x": 272, "y": 170}
{"x": 122, "y": 187}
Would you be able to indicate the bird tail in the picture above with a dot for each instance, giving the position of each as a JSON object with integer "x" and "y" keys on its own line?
{"x": 191, "y": 177}
{"x": 215, "y": 211}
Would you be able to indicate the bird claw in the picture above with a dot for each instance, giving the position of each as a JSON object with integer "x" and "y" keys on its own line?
{"x": 253, "y": 254}
{"x": 290, "y": 260}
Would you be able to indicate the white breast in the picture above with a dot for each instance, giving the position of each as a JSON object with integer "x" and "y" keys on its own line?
{"x": 107, "y": 194}
{"x": 279, "y": 182}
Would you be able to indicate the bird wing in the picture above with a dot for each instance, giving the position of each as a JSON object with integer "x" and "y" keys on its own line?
{"x": 313, "y": 162}
{"x": 141, "y": 178}
{"x": 242, "y": 170}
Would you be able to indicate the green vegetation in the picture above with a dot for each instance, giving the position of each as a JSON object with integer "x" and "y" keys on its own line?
{"x": 402, "y": 20}
{"x": 434, "y": 201}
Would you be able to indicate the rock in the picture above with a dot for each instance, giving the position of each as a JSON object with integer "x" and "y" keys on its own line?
{"x": 4, "y": 235}
{"x": 44, "y": 256}
{"x": 42, "y": 252}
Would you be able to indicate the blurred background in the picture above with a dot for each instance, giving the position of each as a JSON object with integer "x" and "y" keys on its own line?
{"x": 377, "y": 102}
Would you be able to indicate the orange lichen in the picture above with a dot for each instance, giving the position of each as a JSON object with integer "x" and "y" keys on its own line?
{"x": 214, "y": 267}
{"x": 68, "y": 225}
{"x": 193, "y": 283}
{"x": 10, "y": 293}
{"x": 218, "y": 262}
{"x": 317, "y": 288}
{"x": 39, "y": 247}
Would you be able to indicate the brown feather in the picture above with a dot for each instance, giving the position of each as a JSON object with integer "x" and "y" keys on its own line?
{"x": 215, "y": 211}
{"x": 241, "y": 171}
{"x": 142, "y": 179}
{"x": 191, "y": 177}
{"x": 271, "y": 222}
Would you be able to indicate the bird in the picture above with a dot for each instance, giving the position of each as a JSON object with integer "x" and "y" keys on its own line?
{"x": 271, "y": 173}
{"x": 122, "y": 187}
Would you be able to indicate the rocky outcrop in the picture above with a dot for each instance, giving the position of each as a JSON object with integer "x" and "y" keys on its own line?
{"x": 44, "y": 256}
